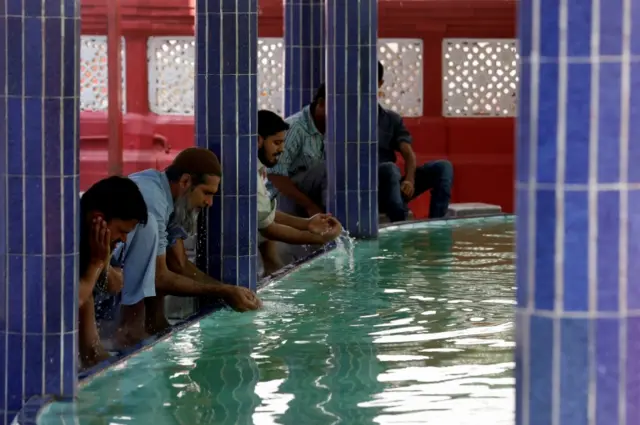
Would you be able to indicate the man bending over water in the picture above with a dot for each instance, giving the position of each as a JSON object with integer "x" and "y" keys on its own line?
{"x": 109, "y": 211}
{"x": 276, "y": 225}
{"x": 174, "y": 199}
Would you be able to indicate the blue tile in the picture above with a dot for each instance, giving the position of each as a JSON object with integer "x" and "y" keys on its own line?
{"x": 579, "y": 28}
{"x": 607, "y": 358}
{"x": 33, "y": 136}
{"x": 17, "y": 293}
{"x": 523, "y": 128}
{"x": 52, "y": 370}
{"x": 545, "y": 250}
{"x": 633, "y": 251}
{"x": 522, "y": 246}
{"x": 549, "y": 18}
{"x": 53, "y": 207}
{"x": 608, "y": 123}
{"x": 34, "y": 357}
{"x": 33, "y": 216}
{"x": 69, "y": 289}
{"x": 608, "y": 250}
{"x": 574, "y": 361}
{"x": 53, "y": 70}
{"x": 576, "y": 243}
{"x": 634, "y": 124}
{"x": 547, "y": 122}
{"x": 14, "y": 125}
{"x": 70, "y": 148}
{"x": 54, "y": 289}
{"x": 610, "y": 23}
{"x": 35, "y": 299}
{"x": 14, "y": 59}
{"x": 578, "y": 110}
{"x": 34, "y": 55}
{"x": 540, "y": 365}
{"x": 15, "y": 384}
{"x": 69, "y": 372}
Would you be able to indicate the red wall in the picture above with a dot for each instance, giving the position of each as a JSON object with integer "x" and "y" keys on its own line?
{"x": 481, "y": 149}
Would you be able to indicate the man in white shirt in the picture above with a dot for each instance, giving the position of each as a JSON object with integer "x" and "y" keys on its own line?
{"x": 276, "y": 226}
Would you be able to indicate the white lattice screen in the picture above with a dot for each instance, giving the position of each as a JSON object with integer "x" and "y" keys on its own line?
{"x": 94, "y": 73}
{"x": 480, "y": 77}
{"x": 171, "y": 69}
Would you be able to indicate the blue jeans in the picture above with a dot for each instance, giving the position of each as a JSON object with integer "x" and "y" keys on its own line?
{"x": 436, "y": 176}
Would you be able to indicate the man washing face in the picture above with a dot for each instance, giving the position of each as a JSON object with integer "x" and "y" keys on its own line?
{"x": 276, "y": 226}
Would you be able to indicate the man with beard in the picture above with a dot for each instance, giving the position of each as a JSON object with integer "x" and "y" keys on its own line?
{"x": 174, "y": 199}
{"x": 109, "y": 211}
{"x": 275, "y": 225}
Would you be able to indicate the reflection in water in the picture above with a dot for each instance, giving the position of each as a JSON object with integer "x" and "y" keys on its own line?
{"x": 414, "y": 328}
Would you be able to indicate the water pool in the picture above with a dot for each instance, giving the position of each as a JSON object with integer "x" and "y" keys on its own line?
{"x": 416, "y": 327}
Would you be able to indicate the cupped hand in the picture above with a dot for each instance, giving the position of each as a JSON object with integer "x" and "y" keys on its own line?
{"x": 242, "y": 299}
{"x": 407, "y": 189}
{"x": 335, "y": 229}
{"x": 319, "y": 224}
{"x": 100, "y": 242}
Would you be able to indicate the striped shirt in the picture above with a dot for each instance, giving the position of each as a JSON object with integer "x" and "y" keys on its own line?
{"x": 303, "y": 145}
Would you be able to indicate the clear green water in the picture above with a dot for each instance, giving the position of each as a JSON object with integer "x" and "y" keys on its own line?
{"x": 415, "y": 328}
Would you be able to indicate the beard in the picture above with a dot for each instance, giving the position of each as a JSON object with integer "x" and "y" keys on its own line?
{"x": 262, "y": 156}
{"x": 185, "y": 216}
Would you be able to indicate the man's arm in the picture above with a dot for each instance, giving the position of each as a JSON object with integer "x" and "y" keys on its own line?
{"x": 177, "y": 262}
{"x": 282, "y": 233}
{"x": 403, "y": 140}
{"x": 176, "y": 275}
{"x": 88, "y": 282}
{"x": 279, "y": 175}
{"x": 299, "y": 223}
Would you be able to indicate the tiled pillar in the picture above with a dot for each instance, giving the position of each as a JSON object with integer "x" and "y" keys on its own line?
{"x": 303, "y": 52}
{"x": 352, "y": 114}
{"x": 226, "y": 122}
{"x": 39, "y": 109}
{"x": 578, "y": 206}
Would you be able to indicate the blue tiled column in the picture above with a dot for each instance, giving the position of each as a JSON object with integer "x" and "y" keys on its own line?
{"x": 578, "y": 205}
{"x": 352, "y": 114}
{"x": 303, "y": 52}
{"x": 39, "y": 109}
{"x": 226, "y": 122}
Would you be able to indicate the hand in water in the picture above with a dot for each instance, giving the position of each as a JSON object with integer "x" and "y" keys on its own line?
{"x": 326, "y": 226}
{"x": 319, "y": 224}
{"x": 242, "y": 299}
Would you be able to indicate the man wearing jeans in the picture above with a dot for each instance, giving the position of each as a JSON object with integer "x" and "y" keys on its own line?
{"x": 300, "y": 175}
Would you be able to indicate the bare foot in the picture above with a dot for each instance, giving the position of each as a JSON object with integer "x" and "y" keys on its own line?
{"x": 126, "y": 337}
{"x": 156, "y": 326}
{"x": 92, "y": 355}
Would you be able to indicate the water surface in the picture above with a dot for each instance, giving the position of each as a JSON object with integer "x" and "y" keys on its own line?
{"x": 414, "y": 328}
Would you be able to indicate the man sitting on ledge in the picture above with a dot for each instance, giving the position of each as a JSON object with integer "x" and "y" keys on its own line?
{"x": 109, "y": 211}
{"x": 300, "y": 175}
{"x": 275, "y": 225}
{"x": 174, "y": 199}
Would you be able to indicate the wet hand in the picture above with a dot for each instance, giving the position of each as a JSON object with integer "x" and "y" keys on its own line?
{"x": 100, "y": 242}
{"x": 407, "y": 189}
{"x": 319, "y": 224}
{"x": 242, "y": 299}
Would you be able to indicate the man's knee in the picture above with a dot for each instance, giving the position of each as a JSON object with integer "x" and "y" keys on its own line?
{"x": 389, "y": 172}
{"x": 444, "y": 169}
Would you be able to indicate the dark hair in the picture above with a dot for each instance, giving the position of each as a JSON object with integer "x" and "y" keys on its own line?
{"x": 197, "y": 162}
{"x": 321, "y": 93}
{"x": 380, "y": 71}
{"x": 270, "y": 123}
{"x": 115, "y": 197}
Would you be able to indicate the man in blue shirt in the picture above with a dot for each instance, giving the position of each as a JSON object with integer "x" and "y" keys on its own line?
{"x": 174, "y": 199}
{"x": 300, "y": 174}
